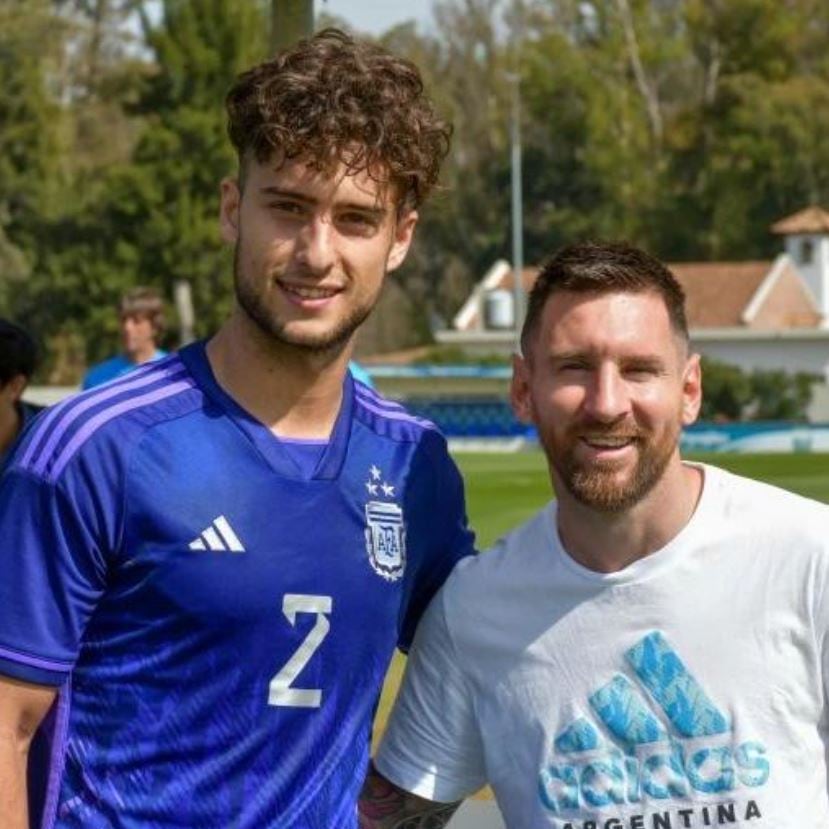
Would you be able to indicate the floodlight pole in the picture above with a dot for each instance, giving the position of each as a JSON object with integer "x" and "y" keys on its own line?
{"x": 517, "y": 37}
{"x": 517, "y": 209}
{"x": 291, "y": 20}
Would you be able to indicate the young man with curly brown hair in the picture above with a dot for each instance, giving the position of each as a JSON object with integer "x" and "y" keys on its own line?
{"x": 209, "y": 562}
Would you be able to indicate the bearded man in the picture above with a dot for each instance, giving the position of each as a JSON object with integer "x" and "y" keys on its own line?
{"x": 650, "y": 651}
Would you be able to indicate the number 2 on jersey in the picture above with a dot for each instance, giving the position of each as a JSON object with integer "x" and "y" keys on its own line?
{"x": 280, "y": 691}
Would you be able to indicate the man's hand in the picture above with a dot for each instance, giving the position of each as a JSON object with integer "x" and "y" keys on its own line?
{"x": 385, "y": 806}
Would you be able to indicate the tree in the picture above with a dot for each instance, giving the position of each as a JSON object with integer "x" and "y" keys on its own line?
{"x": 290, "y": 21}
{"x": 155, "y": 220}
{"x": 685, "y": 126}
{"x": 779, "y": 395}
{"x": 729, "y": 393}
{"x": 31, "y": 175}
{"x": 726, "y": 391}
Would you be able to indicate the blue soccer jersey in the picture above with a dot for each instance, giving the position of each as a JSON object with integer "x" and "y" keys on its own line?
{"x": 218, "y": 614}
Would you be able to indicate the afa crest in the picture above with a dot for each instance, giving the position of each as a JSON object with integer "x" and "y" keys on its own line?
{"x": 386, "y": 539}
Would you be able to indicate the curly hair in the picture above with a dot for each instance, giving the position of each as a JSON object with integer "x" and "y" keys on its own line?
{"x": 332, "y": 99}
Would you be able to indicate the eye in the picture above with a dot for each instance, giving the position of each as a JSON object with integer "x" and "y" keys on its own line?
{"x": 356, "y": 222}
{"x": 568, "y": 366}
{"x": 643, "y": 371}
{"x": 288, "y": 208}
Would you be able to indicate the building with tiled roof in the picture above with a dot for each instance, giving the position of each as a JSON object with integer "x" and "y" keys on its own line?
{"x": 757, "y": 314}
{"x": 810, "y": 220}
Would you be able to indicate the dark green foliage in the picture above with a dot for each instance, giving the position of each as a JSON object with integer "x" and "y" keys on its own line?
{"x": 726, "y": 391}
{"x": 684, "y": 126}
{"x": 778, "y": 395}
{"x": 732, "y": 394}
{"x": 147, "y": 215}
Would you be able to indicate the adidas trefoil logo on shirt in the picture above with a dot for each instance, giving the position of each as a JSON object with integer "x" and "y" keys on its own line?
{"x": 219, "y": 537}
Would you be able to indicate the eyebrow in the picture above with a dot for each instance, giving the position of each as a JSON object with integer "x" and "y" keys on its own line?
{"x": 642, "y": 359}
{"x": 300, "y": 196}
{"x": 271, "y": 190}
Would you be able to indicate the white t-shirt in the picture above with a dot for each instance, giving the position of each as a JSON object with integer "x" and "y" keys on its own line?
{"x": 684, "y": 691}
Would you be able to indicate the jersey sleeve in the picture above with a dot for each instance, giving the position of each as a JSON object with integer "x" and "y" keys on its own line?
{"x": 437, "y": 529}
{"x": 432, "y": 746}
{"x": 53, "y": 573}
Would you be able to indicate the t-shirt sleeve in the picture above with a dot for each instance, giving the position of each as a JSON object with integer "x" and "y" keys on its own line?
{"x": 53, "y": 574}
{"x": 432, "y": 746}
{"x": 437, "y": 529}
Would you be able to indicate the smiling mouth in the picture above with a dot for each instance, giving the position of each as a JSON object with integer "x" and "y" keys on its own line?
{"x": 608, "y": 441}
{"x": 309, "y": 291}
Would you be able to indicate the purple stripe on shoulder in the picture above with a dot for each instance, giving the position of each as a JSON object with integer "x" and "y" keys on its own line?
{"x": 57, "y": 756}
{"x": 128, "y": 381}
{"x": 371, "y": 395}
{"x": 402, "y": 416}
{"x": 389, "y": 405}
{"x": 78, "y": 405}
{"x": 108, "y": 414}
{"x": 35, "y": 661}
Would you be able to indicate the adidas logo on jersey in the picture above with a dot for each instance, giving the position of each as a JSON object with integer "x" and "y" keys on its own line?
{"x": 667, "y": 744}
{"x": 219, "y": 537}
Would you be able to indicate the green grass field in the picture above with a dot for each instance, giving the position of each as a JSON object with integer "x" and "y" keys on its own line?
{"x": 503, "y": 490}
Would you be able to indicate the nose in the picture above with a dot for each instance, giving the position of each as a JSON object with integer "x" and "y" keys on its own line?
{"x": 606, "y": 397}
{"x": 315, "y": 248}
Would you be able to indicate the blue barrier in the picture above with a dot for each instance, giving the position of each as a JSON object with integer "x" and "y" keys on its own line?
{"x": 471, "y": 417}
{"x": 493, "y": 418}
{"x": 756, "y": 437}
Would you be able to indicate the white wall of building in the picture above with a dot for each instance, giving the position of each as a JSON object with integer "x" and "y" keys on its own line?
{"x": 816, "y": 272}
{"x": 809, "y": 355}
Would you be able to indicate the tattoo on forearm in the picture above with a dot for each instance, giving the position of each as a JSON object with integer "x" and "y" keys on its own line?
{"x": 384, "y": 806}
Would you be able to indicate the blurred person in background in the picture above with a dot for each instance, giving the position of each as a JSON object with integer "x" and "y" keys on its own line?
{"x": 141, "y": 323}
{"x": 18, "y": 361}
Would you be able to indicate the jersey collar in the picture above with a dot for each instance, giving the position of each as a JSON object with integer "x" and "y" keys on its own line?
{"x": 269, "y": 446}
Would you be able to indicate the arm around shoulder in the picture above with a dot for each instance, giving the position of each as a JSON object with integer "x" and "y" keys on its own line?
{"x": 22, "y": 708}
{"x": 383, "y": 805}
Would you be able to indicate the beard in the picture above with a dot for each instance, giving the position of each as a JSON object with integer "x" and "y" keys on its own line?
{"x": 252, "y": 301}
{"x": 599, "y": 485}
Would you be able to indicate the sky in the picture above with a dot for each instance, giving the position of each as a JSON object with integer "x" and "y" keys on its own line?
{"x": 376, "y": 16}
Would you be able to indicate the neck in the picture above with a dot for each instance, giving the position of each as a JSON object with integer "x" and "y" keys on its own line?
{"x": 295, "y": 392}
{"x": 143, "y": 355}
{"x": 9, "y": 426}
{"x": 609, "y": 542}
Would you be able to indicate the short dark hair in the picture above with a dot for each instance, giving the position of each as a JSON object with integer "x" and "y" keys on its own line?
{"x": 601, "y": 268}
{"x": 144, "y": 302}
{"x": 334, "y": 99}
{"x": 18, "y": 352}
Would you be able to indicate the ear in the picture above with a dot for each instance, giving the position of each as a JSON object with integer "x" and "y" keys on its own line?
{"x": 691, "y": 390}
{"x": 16, "y": 386}
{"x": 403, "y": 235}
{"x": 231, "y": 198}
{"x": 520, "y": 395}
